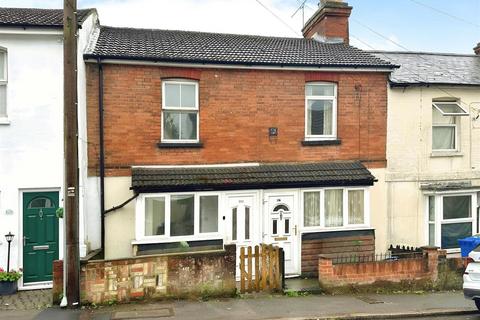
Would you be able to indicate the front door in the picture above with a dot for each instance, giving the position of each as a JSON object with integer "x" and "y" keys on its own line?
{"x": 242, "y": 223}
{"x": 40, "y": 235}
{"x": 281, "y": 228}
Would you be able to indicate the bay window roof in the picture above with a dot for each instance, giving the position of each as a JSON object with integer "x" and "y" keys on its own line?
{"x": 263, "y": 176}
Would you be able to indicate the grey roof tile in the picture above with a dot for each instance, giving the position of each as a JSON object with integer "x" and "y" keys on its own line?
{"x": 433, "y": 68}
{"x": 218, "y": 48}
{"x": 33, "y": 17}
{"x": 264, "y": 176}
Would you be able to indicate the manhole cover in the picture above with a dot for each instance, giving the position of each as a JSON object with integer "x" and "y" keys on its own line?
{"x": 143, "y": 314}
{"x": 369, "y": 300}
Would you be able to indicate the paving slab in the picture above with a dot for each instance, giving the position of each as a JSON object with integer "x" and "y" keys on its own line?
{"x": 27, "y": 300}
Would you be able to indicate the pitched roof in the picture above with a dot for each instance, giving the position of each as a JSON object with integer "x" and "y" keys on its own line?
{"x": 218, "y": 48}
{"x": 32, "y": 17}
{"x": 433, "y": 68}
{"x": 264, "y": 176}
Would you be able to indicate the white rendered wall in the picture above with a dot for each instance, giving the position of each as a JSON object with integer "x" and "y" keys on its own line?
{"x": 31, "y": 145}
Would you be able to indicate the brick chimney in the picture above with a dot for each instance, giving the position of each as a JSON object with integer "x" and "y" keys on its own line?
{"x": 329, "y": 23}
{"x": 477, "y": 49}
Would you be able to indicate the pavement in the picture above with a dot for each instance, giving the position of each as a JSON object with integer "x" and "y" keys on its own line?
{"x": 372, "y": 306}
{"x": 444, "y": 305}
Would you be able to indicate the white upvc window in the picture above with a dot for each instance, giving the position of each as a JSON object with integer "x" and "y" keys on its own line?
{"x": 177, "y": 216}
{"x": 335, "y": 208}
{"x": 320, "y": 111}
{"x": 180, "y": 116}
{"x": 445, "y": 125}
{"x": 450, "y": 216}
{"x": 3, "y": 82}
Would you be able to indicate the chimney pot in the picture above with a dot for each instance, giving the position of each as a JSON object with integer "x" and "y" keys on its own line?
{"x": 477, "y": 49}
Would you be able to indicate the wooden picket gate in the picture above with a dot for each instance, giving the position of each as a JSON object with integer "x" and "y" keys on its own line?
{"x": 262, "y": 269}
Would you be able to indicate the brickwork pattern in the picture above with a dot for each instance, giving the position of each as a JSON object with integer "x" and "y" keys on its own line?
{"x": 236, "y": 109}
{"x": 335, "y": 275}
{"x": 177, "y": 275}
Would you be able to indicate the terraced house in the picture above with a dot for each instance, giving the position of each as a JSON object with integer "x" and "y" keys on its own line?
{"x": 203, "y": 139}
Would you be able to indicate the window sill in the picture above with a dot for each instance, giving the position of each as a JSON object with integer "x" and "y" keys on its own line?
{"x": 174, "y": 145}
{"x": 308, "y": 143}
{"x": 4, "y": 121}
{"x": 439, "y": 154}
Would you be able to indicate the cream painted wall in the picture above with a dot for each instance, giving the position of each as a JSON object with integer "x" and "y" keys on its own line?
{"x": 412, "y": 163}
{"x": 119, "y": 224}
{"x": 378, "y": 210}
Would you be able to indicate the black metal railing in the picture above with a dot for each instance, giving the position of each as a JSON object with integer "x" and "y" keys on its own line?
{"x": 377, "y": 257}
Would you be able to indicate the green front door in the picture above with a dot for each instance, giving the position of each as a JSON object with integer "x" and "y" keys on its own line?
{"x": 40, "y": 231}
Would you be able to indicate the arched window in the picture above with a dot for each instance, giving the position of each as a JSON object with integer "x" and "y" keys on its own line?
{"x": 41, "y": 202}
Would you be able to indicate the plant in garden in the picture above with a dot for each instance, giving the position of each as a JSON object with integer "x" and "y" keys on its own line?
{"x": 10, "y": 276}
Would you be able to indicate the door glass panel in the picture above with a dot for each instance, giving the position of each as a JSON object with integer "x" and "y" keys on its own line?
{"x": 457, "y": 207}
{"x": 247, "y": 223}
{"x": 452, "y": 232}
{"x": 234, "y": 224}
{"x": 181, "y": 215}
{"x": 155, "y": 216}
{"x": 287, "y": 226}
{"x": 274, "y": 226}
{"x": 41, "y": 203}
{"x": 280, "y": 207}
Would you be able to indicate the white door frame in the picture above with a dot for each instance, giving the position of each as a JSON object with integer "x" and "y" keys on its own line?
{"x": 296, "y": 247}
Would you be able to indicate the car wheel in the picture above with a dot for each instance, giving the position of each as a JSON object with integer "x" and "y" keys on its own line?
{"x": 477, "y": 303}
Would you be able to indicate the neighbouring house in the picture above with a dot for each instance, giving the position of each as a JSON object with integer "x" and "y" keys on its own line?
{"x": 31, "y": 139}
{"x": 433, "y": 172}
{"x": 198, "y": 139}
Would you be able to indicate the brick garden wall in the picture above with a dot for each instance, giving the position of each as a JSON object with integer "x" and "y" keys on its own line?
{"x": 150, "y": 277}
{"x": 236, "y": 109}
{"x": 336, "y": 275}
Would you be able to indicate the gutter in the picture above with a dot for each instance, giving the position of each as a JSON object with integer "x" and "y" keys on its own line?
{"x": 101, "y": 153}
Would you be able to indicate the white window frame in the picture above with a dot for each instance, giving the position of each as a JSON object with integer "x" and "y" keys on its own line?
{"x": 180, "y": 109}
{"x": 4, "y": 82}
{"x": 333, "y": 136}
{"x": 140, "y": 236}
{"x": 443, "y": 125}
{"x": 346, "y": 225}
{"x": 439, "y": 221}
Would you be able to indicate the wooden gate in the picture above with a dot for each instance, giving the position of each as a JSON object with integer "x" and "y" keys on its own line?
{"x": 262, "y": 269}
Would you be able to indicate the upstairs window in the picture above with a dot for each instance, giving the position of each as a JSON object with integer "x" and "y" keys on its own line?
{"x": 180, "y": 111}
{"x": 445, "y": 123}
{"x": 320, "y": 111}
{"x": 3, "y": 82}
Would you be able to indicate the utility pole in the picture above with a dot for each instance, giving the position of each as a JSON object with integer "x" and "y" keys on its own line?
{"x": 72, "y": 258}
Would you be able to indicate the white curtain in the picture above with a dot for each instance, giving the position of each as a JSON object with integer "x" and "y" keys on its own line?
{"x": 355, "y": 207}
{"x": 327, "y": 117}
{"x": 443, "y": 133}
{"x": 334, "y": 208}
{"x": 311, "y": 209}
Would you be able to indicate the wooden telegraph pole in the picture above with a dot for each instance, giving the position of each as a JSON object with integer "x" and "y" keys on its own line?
{"x": 72, "y": 259}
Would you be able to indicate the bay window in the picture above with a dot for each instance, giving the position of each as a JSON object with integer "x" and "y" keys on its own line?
{"x": 320, "y": 111}
{"x": 450, "y": 218}
{"x": 335, "y": 208}
{"x": 178, "y": 215}
{"x": 180, "y": 111}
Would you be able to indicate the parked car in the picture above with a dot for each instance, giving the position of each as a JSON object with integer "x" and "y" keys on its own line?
{"x": 471, "y": 277}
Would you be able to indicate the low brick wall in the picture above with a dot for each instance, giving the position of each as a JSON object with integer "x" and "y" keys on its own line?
{"x": 336, "y": 275}
{"x": 157, "y": 276}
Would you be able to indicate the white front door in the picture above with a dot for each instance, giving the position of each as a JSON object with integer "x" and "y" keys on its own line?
{"x": 281, "y": 227}
{"x": 242, "y": 222}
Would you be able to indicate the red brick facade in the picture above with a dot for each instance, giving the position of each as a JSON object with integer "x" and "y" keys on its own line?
{"x": 236, "y": 109}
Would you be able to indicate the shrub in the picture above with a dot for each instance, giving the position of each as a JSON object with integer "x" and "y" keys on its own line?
{"x": 10, "y": 276}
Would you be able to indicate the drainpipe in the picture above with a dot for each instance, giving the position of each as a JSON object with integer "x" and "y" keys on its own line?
{"x": 101, "y": 155}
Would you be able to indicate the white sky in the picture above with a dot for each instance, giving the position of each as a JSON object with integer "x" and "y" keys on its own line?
{"x": 228, "y": 16}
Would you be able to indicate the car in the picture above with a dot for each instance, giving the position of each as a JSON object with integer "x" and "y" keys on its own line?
{"x": 471, "y": 277}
